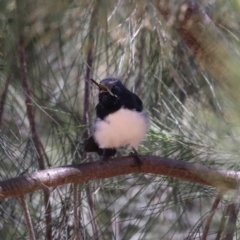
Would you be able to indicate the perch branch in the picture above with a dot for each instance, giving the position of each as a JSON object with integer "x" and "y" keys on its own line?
{"x": 79, "y": 173}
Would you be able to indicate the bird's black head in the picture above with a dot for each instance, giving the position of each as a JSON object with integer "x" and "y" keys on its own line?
{"x": 113, "y": 95}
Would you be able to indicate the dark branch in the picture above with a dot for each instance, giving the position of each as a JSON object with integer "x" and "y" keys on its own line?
{"x": 30, "y": 113}
{"x": 232, "y": 210}
{"x": 84, "y": 172}
{"x": 3, "y": 97}
{"x": 89, "y": 61}
{"x": 27, "y": 218}
{"x": 211, "y": 214}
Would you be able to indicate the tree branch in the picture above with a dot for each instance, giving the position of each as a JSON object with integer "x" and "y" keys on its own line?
{"x": 84, "y": 172}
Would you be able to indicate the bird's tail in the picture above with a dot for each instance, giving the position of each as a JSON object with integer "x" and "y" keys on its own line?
{"x": 91, "y": 146}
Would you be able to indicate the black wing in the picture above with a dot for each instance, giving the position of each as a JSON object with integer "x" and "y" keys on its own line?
{"x": 133, "y": 102}
{"x": 90, "y": 145}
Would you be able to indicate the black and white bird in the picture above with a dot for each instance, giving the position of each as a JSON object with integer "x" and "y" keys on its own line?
{"x": 121, "y": 120}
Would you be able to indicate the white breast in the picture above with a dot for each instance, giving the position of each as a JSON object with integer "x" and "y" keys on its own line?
{"x": 121, "y": 128}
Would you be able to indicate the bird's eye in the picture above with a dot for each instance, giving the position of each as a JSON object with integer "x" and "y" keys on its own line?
{"x": 115, "y": 90}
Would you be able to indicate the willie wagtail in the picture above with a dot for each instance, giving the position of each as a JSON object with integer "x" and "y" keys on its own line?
{"x": 121, "y": 120}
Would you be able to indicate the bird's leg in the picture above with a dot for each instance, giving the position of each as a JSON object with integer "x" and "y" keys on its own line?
{"x": 106, "y": 153}
{"x": 136, "y": 156}
{"x": 105, "y": 157}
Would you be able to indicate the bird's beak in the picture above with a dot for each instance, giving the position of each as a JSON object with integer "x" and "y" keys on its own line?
{"x": 101, "y": 87}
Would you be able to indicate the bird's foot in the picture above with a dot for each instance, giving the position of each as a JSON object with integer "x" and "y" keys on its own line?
{"x": 137, "y": 159}
{"x": 107, "y": 153}
{"x": 106, "y": 158}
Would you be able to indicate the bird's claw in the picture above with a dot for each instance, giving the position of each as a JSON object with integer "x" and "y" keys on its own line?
{"x": 137, "y": 159}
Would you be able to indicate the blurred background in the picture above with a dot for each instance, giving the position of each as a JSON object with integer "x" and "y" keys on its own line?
{"x": 180, "y": 57}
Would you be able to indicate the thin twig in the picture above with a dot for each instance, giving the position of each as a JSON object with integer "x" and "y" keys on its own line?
{"x": 93, "y": 214}
{"x": 89, "y": 64}
{"x": 3, "y": 97}
{"x": 76, "y": 201}
{"x": 211, "y": 214}
{"x": 27, "y": 218}
{"x": 222, "y": 223}
{"x": 141, "y": 48}
{"x": 93, "y": 23}
{"x": 63, "y": 215}
{"x": 28, "y": 103}
{"x": 34, "y": 134}
{"x": 106, "y": 40}
{"x": 230, "y": 227}
{"x": 30, "y": 115}
{"x": 233, "y": 210}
